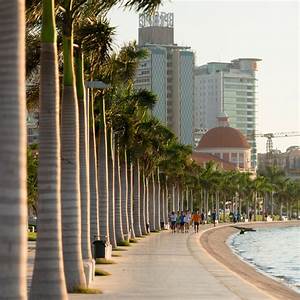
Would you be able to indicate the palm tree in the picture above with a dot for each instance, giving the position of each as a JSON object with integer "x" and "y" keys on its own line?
{"x": 130, "y": 199}
{"x": 136, "y": 198}
{"x": 157, "y": 199}
{"x": 111, "y": 186}
{"x": 103, "y": 174}
{"x": 94, "y": 191}
{"x": 152, "y": 203}
{"x": 143, "y": 202}
{"x": 13, "y": 210}
{"x": 274, "y": 176}
{"x": 49, "y": 259}
{"x": 118, "y": 196}
{"x": 84, "y": 164}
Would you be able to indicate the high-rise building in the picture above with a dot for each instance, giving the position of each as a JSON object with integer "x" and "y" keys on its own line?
{"x": 168, "y": 71}
{"x": 230, "y": 88}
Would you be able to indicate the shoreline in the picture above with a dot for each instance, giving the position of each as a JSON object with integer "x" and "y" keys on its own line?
{"x": 214, "y": 242}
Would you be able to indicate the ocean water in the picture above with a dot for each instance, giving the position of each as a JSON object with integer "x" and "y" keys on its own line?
{"x": 273, "y": 251}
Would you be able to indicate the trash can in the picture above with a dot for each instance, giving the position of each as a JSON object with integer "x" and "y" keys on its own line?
{"x": 162, "y": 225}
{"x": 99, "y": 248}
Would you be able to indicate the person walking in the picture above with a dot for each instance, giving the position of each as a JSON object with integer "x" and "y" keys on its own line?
{"x": 173, "y": 218}
{"x": 182, "y": 222}
{"x": 213, "y": 217}
{"x": 196, "y": 220}
{"x": 178, "y": 218}
{"x": 187, "y": 220}
{"x": 202, "y": 218}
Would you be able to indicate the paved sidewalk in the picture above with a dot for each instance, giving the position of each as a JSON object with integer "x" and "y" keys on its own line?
{"x": 170, "y": 266}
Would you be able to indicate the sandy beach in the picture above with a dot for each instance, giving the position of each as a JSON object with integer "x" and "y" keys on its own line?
{"x": 214, "y": 242}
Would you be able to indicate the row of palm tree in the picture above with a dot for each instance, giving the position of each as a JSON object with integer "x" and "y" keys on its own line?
{"x": 107, "y": 168}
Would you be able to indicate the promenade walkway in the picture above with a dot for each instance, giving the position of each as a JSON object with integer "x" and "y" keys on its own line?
{"x": 170, "y": 266}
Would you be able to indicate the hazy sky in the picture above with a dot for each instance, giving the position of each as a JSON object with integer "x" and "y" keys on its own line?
{"x": 225, "y": 30}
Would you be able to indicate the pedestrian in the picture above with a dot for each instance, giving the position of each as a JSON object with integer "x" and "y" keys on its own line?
{"x": 250, "y": 216}
{"x": 187, "y": 220}
{"x": 213, "y": 217}
{"x": 196, "y": 219}
{"x": 173, "y": 218}
{"x": 202, "y": 218}
{"x": 178, "y": 221}
{"x": 182, "y": 222}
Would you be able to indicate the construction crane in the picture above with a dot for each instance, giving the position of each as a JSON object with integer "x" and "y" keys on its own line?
{"x": 270, "y": 136}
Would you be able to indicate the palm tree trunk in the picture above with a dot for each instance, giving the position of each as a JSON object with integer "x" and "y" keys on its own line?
{"x": 182, "y": 200}
{"x": 118, "y": 200}
{"x": 49, "y": 255}
{"x": 206, "y": 204}
{"x": 157, "y": 202}
{"x": 111, "y": 188}
{"x": 83, "y": 158}
{"x": 13, "y": 209}
{"x": 147, "y": 204}
{"x": 192, "y": 200}
{"x": 136, "y": 199}
{"x": 173, "y": 197}
{"x": 152, "y": 202}
{"x": 163, "y": 203}
{"x": 272, "y": 204}
{"x": 143, "y": 203}
{"x": 166, "y": 203}
{"x": 187, "y": 198}
{"x": 178, "y": 198}
{"x": 94, "y": 192}
{"x": 280, "y": 209}
{"x": 130, "y": 200}
{"x": 103, "y": 176}
{"x": 124, "y": 195}
{"x": 255, "y": 205}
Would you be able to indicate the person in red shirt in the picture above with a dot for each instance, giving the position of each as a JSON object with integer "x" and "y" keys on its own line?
{"x": 196, "y": 219}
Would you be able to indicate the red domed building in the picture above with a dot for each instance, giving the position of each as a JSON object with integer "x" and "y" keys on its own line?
{"x": 225, "y": 145}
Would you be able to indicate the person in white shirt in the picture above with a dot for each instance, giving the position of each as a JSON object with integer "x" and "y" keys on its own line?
{"x": 173, "y": 218}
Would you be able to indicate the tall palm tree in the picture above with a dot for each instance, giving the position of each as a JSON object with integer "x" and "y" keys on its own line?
{"x": 152, "y": 203}
{"x": 13, "y": 211}
{"x": 130, "y": 199}
{"x": 157, "y": 199}
{"x": 111, "y": 186}
{"x": 124, "y": 195}
{"x": 143, "y": 202}
{"x": 84, "y": 164}
{"x": 49, "y": 259}
{"x": 118, "y": 196}
{"x": 103, "y": 173}
{"x": 136, "y": 198}
{"x": 94, "y": 191}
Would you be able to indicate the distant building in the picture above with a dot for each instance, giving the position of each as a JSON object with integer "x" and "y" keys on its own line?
{"x": 288, "y": 161}
{"x": 169, "y": 73}
{"x": 229, "y": 88}
{"x": 225, "y": 145}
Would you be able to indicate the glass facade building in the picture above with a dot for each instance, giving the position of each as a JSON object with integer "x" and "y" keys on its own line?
{"x": 168, "y": 71}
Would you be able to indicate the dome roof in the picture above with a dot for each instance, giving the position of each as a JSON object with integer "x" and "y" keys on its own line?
{"x": 223, "y": 137}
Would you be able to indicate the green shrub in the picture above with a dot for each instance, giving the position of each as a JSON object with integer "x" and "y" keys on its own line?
{"x": 82, "y": 290}
{"x": 32, "y": 236}
{"x": 133, "y": 241}
{"x": 104, "y": 261}
{"x": 100, "y": 272}
{"x": 123, "y": 243}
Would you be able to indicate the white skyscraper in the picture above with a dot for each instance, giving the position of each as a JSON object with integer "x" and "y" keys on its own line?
{"x": 229, "y": 88}
{"x": 169, "y": 73}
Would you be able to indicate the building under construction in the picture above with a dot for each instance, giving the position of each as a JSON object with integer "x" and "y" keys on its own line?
{"x": 288, "y": 161}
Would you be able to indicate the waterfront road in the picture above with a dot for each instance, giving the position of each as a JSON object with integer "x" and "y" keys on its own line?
{"x": 170, "y": 266}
